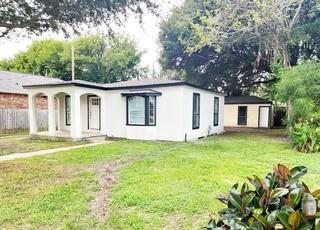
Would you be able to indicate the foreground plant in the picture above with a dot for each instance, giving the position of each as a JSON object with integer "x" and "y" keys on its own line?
{"x": 279, "y": 201}
{"x": 306, "y": 137}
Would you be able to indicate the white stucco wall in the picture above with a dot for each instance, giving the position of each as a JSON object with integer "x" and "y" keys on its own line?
{"x": 206, "y": 113}
{"x": 231, "y": 115}
{"x": 173, "y": 112}
{"x": 168, "y": 116}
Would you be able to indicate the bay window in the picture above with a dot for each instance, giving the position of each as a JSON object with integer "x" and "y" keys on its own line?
{"x": 141, "y": 110}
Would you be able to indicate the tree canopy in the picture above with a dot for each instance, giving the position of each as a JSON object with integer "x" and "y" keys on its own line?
{"x": 97, "y": 59}
{"x": 235, "y": 46}
{"x": 301, "y": 86}
{"x": 41, "y": 15}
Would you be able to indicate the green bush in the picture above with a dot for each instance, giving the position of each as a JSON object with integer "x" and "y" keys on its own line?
{"x": 299, "y": 87}
{"x": 279, "y": 201}
{"x": 306, "y": 136}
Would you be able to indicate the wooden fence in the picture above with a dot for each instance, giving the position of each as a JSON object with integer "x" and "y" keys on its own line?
{"x": 12, "y": 120}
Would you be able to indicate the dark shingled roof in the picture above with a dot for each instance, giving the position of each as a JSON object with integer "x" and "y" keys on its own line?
{"x": 11, "y": 82}
{"x": 142, "y": 82}
{"x": 246, "y": 100}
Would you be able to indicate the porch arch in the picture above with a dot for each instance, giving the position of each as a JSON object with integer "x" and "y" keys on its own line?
{"x": 63, "y": 111}
{"x": 38, "y": 116}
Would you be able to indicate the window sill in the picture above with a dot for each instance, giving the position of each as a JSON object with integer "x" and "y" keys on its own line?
{"x": 141, "y": 125}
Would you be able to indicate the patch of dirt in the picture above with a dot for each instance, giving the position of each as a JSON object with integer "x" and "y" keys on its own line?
{"x": 275, "y": 133}
{"x": 106, "y": 179}
{"x": 174, "y": 221}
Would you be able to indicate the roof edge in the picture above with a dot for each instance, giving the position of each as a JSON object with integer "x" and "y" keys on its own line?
{"x": 249, "y": 103}
{"x": 181, "y": 83}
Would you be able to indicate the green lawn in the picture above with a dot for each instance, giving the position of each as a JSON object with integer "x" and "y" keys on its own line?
{"x": 13, "y": 133}
{"x": 22, "y": 144}
{"x": 163, "y": 185}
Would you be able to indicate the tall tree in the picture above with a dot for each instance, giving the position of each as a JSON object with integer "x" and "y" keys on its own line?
{"x": 235, "y": 45}
{"x": 122, "y": 61}
{"x": 301, "y": 86}
{"x": 233, "y": 70}
{"x": 41, "y": 15}
{"x": 97, "y": 59}
{"x": 224, "y": 22}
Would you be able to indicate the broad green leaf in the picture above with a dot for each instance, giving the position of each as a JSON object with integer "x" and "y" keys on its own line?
{"x": 279, "y": 192}
{"x": 244, "y": 188}
{"x": 283, "y": 217}
{"x": 298, "y": 172}
{"x": 261, "y": 219}
{"x": 256, "y": 226}
{"x": 306, "y": 226}
{"x": 272, "y": 217}
{"x": 295, "y": 197}
{"x": 235, "y": 200}
{"x": 269, "y": 180}
{"x": 308, "y": 205}
{"x": 248, "y": 198}
{"x": 317, "y": 224}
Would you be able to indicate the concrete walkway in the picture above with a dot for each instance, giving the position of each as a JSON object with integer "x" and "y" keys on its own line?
{"x": 48, "y": 151}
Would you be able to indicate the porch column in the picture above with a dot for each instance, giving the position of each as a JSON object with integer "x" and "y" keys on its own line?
{"x": 75, "y": 115}
{"x": 103, "y": 114}
{"x": 32, "y": 114}
{"x": 51, "y": 116}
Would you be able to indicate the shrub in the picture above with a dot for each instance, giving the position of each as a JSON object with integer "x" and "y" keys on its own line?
{"x": 279, "y": 201}
{"x": 306, "y": 136}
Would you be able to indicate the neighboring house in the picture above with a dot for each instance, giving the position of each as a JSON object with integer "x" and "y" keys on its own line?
{"x": 12, "y": 93}
{"x": 148, "y": 109}
{"x": 248, "y": 111}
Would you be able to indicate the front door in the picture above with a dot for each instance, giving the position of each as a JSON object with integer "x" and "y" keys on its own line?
{"x": 264, "y": 112}
{"x": 94, "y": 112}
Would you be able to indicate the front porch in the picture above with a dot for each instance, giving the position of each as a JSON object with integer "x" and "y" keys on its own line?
{"x": 72, "y": 112}
{"x": 65, "y": 134}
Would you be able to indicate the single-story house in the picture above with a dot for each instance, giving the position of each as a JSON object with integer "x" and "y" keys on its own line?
{"x": 148, "y": 109}
{"x": 12, "y": 93}
{"x": 248, "y": 111}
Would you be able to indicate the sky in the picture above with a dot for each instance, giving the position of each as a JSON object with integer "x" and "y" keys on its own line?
{"x": 145, "y": 34}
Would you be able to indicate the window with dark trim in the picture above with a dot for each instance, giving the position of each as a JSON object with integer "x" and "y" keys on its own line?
{"x": 196, "y": 111}
{"x": 242, "y": 115}
{"x": 68, "y": 109}
{"x": 141, "y": 110}
{"x": 216, "y": 111}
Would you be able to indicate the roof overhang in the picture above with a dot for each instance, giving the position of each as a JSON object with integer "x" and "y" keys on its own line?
{"x": 249, "y": 103}
{"x": 102, "y": 87}
{"x": 65, "y": 84}
{"x": 147, "y": 92}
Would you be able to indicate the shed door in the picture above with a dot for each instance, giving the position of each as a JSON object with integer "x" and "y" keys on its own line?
{"x": 264, "y": 117}
{"x": 94, "y": 113}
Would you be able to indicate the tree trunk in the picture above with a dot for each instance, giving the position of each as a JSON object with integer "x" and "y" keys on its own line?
{"x": 287, "y": 65}
{"x": 286, "y": 58}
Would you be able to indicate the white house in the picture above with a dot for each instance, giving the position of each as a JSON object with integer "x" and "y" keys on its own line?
{"x": 248, "y": 111}
{"x": 149, "y": 109}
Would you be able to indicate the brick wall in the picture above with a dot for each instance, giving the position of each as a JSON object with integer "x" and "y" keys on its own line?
{"x": 19, "y": 101}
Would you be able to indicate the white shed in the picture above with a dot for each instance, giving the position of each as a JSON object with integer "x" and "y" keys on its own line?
{"x": 248, "y": 111}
